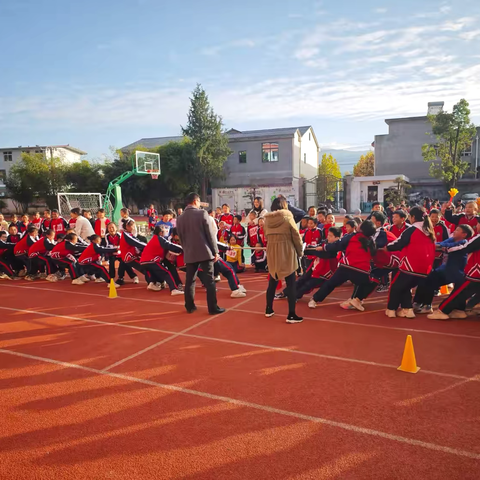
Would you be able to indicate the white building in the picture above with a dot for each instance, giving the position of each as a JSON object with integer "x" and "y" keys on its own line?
{"x": 10, "y": 156}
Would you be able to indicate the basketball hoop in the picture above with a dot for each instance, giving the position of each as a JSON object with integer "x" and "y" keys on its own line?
{"x": 154, "y": 176}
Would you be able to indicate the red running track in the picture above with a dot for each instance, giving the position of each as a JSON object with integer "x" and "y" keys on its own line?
{"x": 134, "y": 388}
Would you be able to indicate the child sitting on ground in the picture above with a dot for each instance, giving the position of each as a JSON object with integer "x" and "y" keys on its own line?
{"x": 259, "y": 258}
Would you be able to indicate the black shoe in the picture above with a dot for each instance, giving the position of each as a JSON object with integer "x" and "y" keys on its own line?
{"x": 269, "y": 313}
{"x": 217, "y": 311}
{"x": 191, "y": 310}
{"x": 120, "y": 281}
{"x": 294, "y": 319}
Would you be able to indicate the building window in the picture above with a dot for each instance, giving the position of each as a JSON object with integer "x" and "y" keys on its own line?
{"x": 269, "y": 152}
{"x": 242, "y": 157}
{"x": 3, "y": 176}
{"x": 304, "y": 158}
{"x": 468, "y": 150}
{"x": 7, "y": 157}
{"x": 309, "y": 137}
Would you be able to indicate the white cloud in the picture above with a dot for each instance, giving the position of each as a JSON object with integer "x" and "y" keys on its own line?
{"x": 470, "y": 35}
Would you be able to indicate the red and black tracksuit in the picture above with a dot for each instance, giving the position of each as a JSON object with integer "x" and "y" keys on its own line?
{"x": 112, "y": 257}
{"x": 59, "y": 226}
{"x": 227, "y": 218}
{"x": 462, "y": 219}
{"x": 252, "y": 235}
{"x": 397, "y": 231}
{"x": 39, "y": 255}
{"x": 259, "y": 260}
{"x": 63, "y": 255}
{"x": 471, "y": 286}
{"x": 131, "y": 249}
{"x": 21, "y": 250}
{"x": 91, "y": 263}
{"x": 7, "y": 258}
{"x": 441, "y": 234}
{"x": 46, "y": 224}
{"x": 152, "y": 259}
{"x": 239, "y": 231}
{"x": 418, "y": 251}
{"x": 354, "y": 265}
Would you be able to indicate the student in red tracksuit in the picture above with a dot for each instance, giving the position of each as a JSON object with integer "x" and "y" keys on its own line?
{"x": 13, "y": 235}
{"x": 39, "y": 255}
{"x": 101, "y": 223}
{"x": 354, "y": 265}
{"x": 37, "y": 221}
{"x": 226, "y": 216}
{"x": 303, "y": 225}
{"x": 441, "y": 234}
{"x": 321, "y": 269}
{"x": 131, "y": 249}
{"x": 346, "y": 219}
{"x": 6, "y": 257}
{"x": 399, "y": 225}
{"x": 23, "y": 224}
{"x": 261, "y": 233}
{"x": 58, "y": 224}
{"x": 239, "y": 231}
{"x": 91, "y": 260}
{"x": 173, "y": 260}
{"x": 112, "y": 239}
{"x": 46, "y": 222}
{"x": 63, "y": 255}
{"x": 454, "y": 305}
{"x": 21, "y": 249}
{"x": 417, "y": 246}
{"x": 469, "y": 216}
{"x": 312, "y": 238}
{"x": 329, "y": 223}
{"x": 152, "y": 259}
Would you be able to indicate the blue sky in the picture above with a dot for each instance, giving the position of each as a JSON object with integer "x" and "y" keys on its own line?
{"x": 101, "y": 73}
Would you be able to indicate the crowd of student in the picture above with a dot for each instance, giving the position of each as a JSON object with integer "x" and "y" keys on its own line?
{"x": 395, "y": 250}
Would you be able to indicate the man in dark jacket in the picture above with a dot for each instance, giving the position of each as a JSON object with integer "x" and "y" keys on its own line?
{"x": 198, "y": 238}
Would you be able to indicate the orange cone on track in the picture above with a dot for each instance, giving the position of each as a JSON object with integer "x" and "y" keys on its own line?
{"x": 409, "y": 364}
{"x": 112, "y": 292}
{"x": 444, "y": 290}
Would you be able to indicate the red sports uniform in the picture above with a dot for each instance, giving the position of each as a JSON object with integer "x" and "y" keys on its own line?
{"x": 397, "y": 231}
{"x": 227, "y": 218}
{"x": 59, "y": 226}
{"x": 239, "y": 232}
{"x": 101, "y": 226}
{"x": 252, "y": 235}
{"x": 312, "y": 238}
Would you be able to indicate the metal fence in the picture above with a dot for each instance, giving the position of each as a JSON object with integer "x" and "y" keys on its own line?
{"x": 324, "y": 190}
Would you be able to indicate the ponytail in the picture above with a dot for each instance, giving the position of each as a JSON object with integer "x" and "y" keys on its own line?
{"x": 368, "y": 229}
{"x": 419, "y": 214}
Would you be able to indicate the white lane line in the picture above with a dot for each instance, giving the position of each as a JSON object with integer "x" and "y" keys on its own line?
{"x": 236, "y": 342}
{"x": 386, "y": 327}
{"x": 175, "y": 335}
{"x": 256, "y": 406}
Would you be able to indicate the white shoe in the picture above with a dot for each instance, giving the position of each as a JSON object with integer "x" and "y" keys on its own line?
{"x": 312, "y": 303}
{"x": 242, "y": 288}
{"x": 164, "y": 285}
{"x": 217, "y": 278}
{"x": 438, "y": 315}
{"x": 22, "y": 273}
{"x": 346, "y": 305}
{"x": 78, "y": 281}
{"x": 92, "y": 277}
{"x": 99, "y": 280}
{"x": 116, "y": 285}
{"x": 85, "y": 278}
{"x": 390, "y": 313}
{"x": 136, "y": 280}
{"x": 458, "y": 314}
{"x": 153, "y": 287}
{"x": 238, "y": 294}
{"x": 52, "y": 278}
{"x": 176, "y": 292}
{"x": 43, "y": 276}
{"x": 2, "y": 276}
{"x": 406, "y": 313}
{"x": 357, "y": 304}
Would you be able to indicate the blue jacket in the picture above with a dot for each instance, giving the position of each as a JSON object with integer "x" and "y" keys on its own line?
{"x": 454, "y": 267}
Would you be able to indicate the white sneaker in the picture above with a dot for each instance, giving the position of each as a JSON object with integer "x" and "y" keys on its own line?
{"x": 391, "y": 313}
{"x": 238, "y": 294}
{"x": 217, "y": 278}
{"x": 52, "y": 278}
{"x": 99, "y": 280}
{"x": 176, "y": 292}
{"x": 438, "y": 315}
{"x": 357, "y": 304}
{"x": 242, "y": 288}
{"x": 92, "y": 277}
{"x": 153, "y": 287}
{"x": 406, "y": 313}
{"x": 2, "y": 276}
{"x": 458, "y": 314}
{"x": 22, "y": 273}
{"x": 117, "y": 285}
{"x": 78, "y": 281}
{"x": 136, "y": 280}
{"x": 85, "y": 278}
{"x": 164, "y": 285}
{"x": 43, "y": 276}
{"x": 312, "y": 303}
{"x": 346, "y": 305}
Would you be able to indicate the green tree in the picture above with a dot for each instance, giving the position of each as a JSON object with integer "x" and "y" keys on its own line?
{"x": 205, "y": 130}
{"x": 453, "y": 133}
{"x": 329, "y": 178}
{"x": 85, "y": 177}
{"x": 365, "y": 166}
{"x": 398, "y": 194}
{"x": 36, "y": 177}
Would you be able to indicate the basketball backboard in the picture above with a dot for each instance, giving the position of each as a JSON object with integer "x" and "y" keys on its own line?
{"x": 147, "y": 163}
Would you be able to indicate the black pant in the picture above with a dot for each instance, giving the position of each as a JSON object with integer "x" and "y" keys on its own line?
{"x": 290, "y": 291}
{"x": 98, "y": 270}
{"x": 458, "y": 298}
{"x": 209, "y": 282}
{"x": 377, "y": 277}
{"x": 400, "y": 294}
{"x": 173, "y": 271}
{"x": 159, "y": 273}
{"x": 426, "y": 289}
{"x": 122, "y": 268}
{"x": 342, "y": 275}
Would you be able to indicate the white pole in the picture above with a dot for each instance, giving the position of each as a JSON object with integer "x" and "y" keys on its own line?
{"x": 476, "y": 158}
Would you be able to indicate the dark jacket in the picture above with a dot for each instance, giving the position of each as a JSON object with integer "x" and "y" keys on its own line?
{"x": 197, "y": 235}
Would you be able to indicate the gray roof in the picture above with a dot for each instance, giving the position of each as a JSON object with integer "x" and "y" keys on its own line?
{"x": 233, "y": 134}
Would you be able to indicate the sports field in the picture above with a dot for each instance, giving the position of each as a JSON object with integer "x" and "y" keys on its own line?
{"x": 135, "y": 388}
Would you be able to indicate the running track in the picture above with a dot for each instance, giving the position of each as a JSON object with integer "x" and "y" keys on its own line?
{"x": 134, "y": 388}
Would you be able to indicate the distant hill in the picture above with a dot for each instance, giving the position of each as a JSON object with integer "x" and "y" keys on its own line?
{"x": 346, "y": 159}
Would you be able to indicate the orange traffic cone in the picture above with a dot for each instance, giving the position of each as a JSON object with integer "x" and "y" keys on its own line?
{"x": 112, "y": 291}
{"x": 409, "y": 364}
{"x": 444, "y": 290}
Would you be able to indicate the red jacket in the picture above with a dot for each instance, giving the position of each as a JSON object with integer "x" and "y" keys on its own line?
{"x": 418, "y": 251}
{"x": 312, "y": 238}
{"x": 37, "y": 222}
{"x": 398, "y": 231}
{"x": 472, "y": 247}
{"x": 239, "y": 232}
{"x": 59, "y": 226}
{"x": 22, "y": 247}
{"x": 462, "y": 219}
{"x": 252, "y": 235}
{"x": 66, "y": 250}
{"x": 40, "y": 247}
{"x": 157, "y": 248}
{"x": 441, "y": 234}
{"x": 98, "y": 226}
{"x": 324, "y": 267}
{"x": 355, "y": 256}
{"x": 72, "y": 222}
{"x": 130, "y": 247}
{"x": 262, "y": 237}
{"x": 227, "y": 218}
{"x": 93, "y": 253}
{"x": 384, "y": 259}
